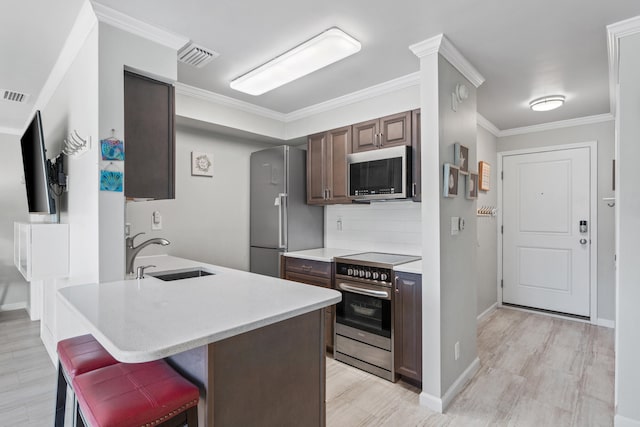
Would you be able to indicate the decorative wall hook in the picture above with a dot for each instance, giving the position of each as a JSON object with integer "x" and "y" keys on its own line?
{"x": 75, "y": 145}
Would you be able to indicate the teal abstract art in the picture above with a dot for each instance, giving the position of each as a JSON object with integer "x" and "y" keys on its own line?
{"x": 111, "y": 181}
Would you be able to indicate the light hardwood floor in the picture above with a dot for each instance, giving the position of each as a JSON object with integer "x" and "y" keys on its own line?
{"x": 535, "y": 371}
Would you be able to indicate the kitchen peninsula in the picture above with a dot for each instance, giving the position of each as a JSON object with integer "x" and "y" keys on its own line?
{"x": 254, "y": 344}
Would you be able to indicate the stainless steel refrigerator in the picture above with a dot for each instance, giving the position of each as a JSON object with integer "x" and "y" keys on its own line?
{"x": 281, "y": 220}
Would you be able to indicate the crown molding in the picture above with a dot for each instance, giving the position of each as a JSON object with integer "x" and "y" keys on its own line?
{"x": 127, "y": 23}
{"x": 442, "y": 45}
{"x": 82, "y": 27}
{"x": 10, "y": 131}
{"x": 614, "y": 33}
{"x": 580, "y": 121}
{"x": 227, "y": 101}
{"x": 399, "y": 83}
{"x": 487, "y": 125}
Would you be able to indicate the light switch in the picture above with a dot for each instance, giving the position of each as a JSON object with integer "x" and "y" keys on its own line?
{"x": 156, "y": 221}
{"x": 455, "y": 225}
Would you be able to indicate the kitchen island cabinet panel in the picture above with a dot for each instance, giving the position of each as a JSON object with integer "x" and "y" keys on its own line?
{"x": 408, "y": 325}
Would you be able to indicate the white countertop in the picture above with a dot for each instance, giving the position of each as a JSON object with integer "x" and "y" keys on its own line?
{"x": 149, "y": 319}
{"x": 410, "y": 267}
{"x": 321, "y": 254}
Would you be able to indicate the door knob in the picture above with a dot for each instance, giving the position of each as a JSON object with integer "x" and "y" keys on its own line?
{"x": 583, "y": 241}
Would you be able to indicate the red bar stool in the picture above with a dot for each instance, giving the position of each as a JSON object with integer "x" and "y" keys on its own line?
{"x": 136, "y": 394}
{"x": 76, "y": 356}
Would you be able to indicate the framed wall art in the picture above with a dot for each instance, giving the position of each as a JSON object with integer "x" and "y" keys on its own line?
{"x": 484, "y": 176}
{"x": 472, "y": 186}
{"x": 450, "y": 187}
{"x": 461, "y": 157}
{"x": 201, "y": 164}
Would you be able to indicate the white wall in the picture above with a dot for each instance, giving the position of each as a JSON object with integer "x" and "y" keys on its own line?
{"x": 118, "y": 49}
{"x": 393, "y": 227}
{"x": 604, "y": 134}
{"x": 487, "y": 227}
{"x": 209, "y": 219}
{"x": 74, "y": 106}
{"x": 14, "y": 290}
{"x": 628, "y": 236}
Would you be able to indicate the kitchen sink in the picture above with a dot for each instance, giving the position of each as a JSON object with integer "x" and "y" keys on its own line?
{"x": 181, "y": 274}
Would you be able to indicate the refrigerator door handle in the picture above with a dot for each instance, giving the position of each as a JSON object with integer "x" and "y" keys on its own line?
{"x": 282, "y": 221}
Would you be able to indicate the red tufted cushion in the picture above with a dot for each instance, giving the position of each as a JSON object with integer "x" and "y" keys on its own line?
{"x": 124, "y": 394}
{"x": 82, "y": 354}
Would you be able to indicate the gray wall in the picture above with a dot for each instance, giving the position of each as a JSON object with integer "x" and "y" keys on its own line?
{"x": 14, "y": 290}
{"x": 209, "y": 219}
{"x": 604, "y": 134}
{"x": 457, "y": 253}
{"x": 487, "y": 228}
{"x": 118, "y": 49}
{"x": 628, "y": 235}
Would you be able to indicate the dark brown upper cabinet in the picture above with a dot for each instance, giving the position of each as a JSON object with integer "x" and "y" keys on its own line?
{"x": 149, "y": 135}
{"x": 387, "y": 131}
{"x": 327, "y": 166}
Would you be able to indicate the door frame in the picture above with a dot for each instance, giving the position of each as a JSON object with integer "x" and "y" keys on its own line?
{"x": 593, "y": 255}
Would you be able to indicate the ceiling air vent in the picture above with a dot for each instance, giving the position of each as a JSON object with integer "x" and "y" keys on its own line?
{"x": 11, "y": 95}
{"x": 197, "y": 56}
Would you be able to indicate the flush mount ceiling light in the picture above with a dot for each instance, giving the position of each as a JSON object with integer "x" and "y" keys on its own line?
{"x": 322, "y": 50}
{"x": 547, "y": 103}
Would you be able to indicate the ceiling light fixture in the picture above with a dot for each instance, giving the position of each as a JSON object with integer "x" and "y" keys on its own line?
{"x": 547, "y": 103}
{"x": 322, "y": 50}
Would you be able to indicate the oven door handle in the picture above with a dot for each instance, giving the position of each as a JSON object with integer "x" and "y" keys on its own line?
{"x": 364, "y": 291}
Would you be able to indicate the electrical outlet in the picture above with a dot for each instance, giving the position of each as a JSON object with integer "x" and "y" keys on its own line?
{"x": 456, "y": 350}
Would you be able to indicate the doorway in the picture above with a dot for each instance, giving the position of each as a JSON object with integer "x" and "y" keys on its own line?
{"x": 547, "y": 239}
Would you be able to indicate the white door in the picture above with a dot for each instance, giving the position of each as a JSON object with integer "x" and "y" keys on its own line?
{"x": 545, "y": 255}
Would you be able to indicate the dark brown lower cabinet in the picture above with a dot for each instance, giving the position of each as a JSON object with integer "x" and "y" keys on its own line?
{"x": 408, "y": 325}
{"x": 316, "y": 273}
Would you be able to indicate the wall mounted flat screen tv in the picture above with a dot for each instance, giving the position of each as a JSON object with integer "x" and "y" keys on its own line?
{"x": 36, "y": 169}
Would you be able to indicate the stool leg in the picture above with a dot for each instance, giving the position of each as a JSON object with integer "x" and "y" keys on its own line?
{"x": 192, "y": 417}
{"x": 61, "y": 398}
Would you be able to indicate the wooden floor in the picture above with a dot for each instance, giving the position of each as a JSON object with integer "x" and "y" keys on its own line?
{"x": 535, "y": 371}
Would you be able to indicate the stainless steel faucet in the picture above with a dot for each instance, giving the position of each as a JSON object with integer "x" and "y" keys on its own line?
{"x": 132, "y": 251}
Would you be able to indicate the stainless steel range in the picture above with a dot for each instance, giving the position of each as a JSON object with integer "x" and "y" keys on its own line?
{"x": 364, "y": 317}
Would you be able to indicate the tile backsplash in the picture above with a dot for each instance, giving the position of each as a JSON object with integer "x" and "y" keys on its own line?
{"x": 393, "y": 227}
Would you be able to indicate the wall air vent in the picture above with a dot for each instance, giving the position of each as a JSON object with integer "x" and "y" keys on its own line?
{"x": 197, "y": 56}
{"x": 11, "y": 95}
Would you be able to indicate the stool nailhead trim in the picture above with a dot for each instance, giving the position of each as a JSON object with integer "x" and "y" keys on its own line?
{"x": 172, "y": 413}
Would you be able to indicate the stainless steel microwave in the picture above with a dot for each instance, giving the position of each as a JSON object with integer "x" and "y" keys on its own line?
{"x": 380, "y": 174}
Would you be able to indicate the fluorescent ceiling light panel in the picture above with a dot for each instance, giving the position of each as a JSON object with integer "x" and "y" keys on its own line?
{"x": 322, "y": 50}
{"x": 547, "y": 103}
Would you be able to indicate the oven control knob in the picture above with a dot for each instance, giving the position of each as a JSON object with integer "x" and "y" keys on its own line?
{"x": 350, "y": 272}
{"x": 361, "y": 273}
{"x": 375, "y": 275}
{"x": 383, "y": 276}
{"x": 367, "y": 274}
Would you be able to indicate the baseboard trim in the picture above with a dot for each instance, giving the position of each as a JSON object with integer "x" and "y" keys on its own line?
{"x": 488, "y": 311}
{"x": 440, "y": 404}
{"x": 606, "y": 323}
{"x": 430, "y": 401}
{"x": 620, "y": 421}
{"x": 13, "y": 306}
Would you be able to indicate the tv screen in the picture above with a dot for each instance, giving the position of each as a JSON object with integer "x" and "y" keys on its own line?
{"x": 36, "y": 173}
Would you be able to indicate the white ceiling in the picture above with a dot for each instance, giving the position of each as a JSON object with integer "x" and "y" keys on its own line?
{"x": 523, "y": 49}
